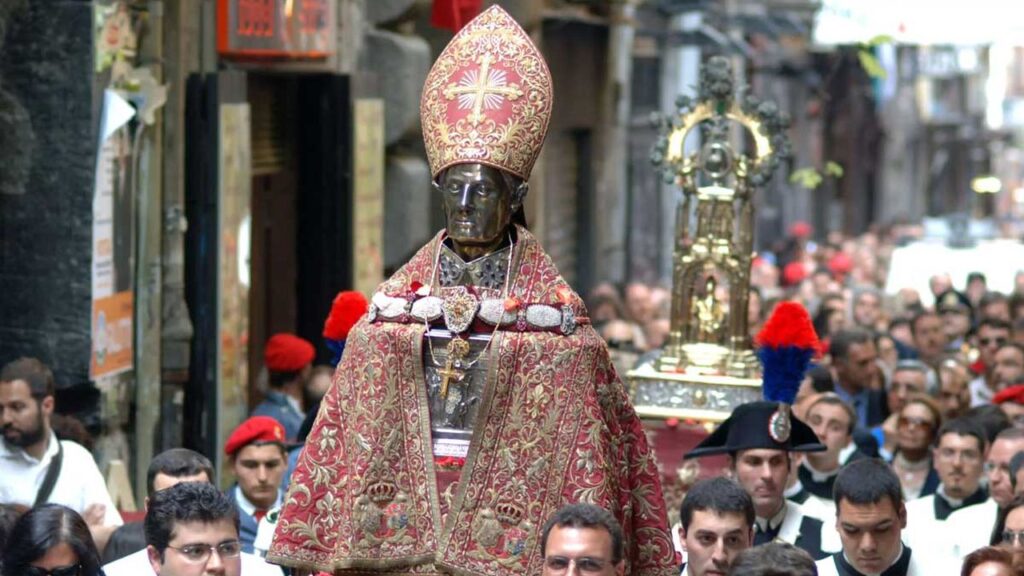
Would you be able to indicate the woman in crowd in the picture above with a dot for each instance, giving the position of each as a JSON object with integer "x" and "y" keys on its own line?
{"x": 50, "y": 540}
{"x": 916, "y": 426}
{"x": 989, "y": 561}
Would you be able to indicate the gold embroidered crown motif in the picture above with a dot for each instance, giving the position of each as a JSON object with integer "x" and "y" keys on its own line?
{"x": 382, "y": 492}
{"x": 487, "y": 99}
{"x": 508, "y": 513}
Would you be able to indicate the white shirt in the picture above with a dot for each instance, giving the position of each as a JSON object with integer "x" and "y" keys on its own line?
{"x": 920, "y": 565}
{"x": 972, "y": 528}
{"x": 78, "y": 486}
{"x": 248, "y": 508}
{"x": 981, "y": 394}
{"x": 137, "y": 564}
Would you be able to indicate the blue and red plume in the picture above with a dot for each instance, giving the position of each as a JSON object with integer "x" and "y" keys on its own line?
{"x": 348, "y": 307}
{"x": 786, "y": 345}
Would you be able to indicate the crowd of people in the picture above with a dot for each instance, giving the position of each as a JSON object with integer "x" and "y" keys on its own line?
{"x": 908, "y": 436}
{"x": 932, "y": 386}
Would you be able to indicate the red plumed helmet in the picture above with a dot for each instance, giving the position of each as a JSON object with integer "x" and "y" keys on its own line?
{"x": 789, "y": 325}
{"x": 348, "y": 307}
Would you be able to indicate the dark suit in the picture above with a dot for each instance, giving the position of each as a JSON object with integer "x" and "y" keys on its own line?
{"x": 126, "y": 540}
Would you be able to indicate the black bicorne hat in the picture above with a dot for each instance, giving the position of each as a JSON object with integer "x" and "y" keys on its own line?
{"x": 767, "y": 425}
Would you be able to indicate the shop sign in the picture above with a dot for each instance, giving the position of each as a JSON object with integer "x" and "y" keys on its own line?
{"x": 276, "y": 29}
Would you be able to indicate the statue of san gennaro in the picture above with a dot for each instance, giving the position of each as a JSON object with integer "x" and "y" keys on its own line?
{"x": 474, "y": 399}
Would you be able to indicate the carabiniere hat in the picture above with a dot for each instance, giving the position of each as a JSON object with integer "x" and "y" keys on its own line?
{"x": 759, "y": 425}
{"x": 786, "y": 345}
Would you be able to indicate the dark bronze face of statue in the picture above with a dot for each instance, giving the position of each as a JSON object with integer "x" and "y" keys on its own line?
{"x": 479, "y": 202}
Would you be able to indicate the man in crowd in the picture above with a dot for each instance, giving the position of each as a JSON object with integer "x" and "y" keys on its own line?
{"x": 929, "y": 337}
{"x": 853, "y": 364}
{"x": 870, "y": 518}
{"x": 189, "y": 525}
{"x": 867, "y": 309}
{"x": 35, "y": 467}
{"x": 760, "y": 463}
{"x": 582, "y": 539}
{"x": 974, "y": 523}
{"x": 956, "y": 312}
{"x": 958, "y": 456}
{"x": 165, "y": 470}
{"x": 289, "y": 361}
{"x": 717, "y": 520}
{"x": 954, "y": 393}
{"x": 1008, "y": 366}
{"x": 258, "y": 459}
{"x": 169, "y": 469}
{"x": 773, "y": 559}
{"x": 832, "y": 421}
{"x": 993, "y": 333}
{"x": 1011, "y": 401}
{"x": 995, "y": 305}
{"x": 192, "y": 528}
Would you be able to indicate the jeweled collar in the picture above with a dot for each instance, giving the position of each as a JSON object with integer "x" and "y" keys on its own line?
{"x": 487, "y": 271}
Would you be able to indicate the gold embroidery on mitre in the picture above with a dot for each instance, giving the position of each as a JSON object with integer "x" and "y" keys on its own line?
{"x": 487, "y": 99}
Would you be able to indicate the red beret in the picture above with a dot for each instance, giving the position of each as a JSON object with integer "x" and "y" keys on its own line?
{"x": 287, "y": 353}
{"x": 794, "y": 273}
{"x": 1013, "y": 394}
{"x": 348, "y": 307}
{"x": 256, "y": 429}
{"x": 800, "y": 229}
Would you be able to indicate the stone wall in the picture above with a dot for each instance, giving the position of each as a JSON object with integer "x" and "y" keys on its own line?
{"x": 47, "y": 153}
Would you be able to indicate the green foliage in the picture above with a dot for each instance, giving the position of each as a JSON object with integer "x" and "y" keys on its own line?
{"x": 806, "y": 178}
{"x": 833, "y": 169}
{"x": 811, "y": 178}
{"x": 866, "y": 56}
{"x": 880, "y": 39}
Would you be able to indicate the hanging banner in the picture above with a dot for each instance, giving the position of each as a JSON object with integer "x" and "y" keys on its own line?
{"x": 112, "y": 296}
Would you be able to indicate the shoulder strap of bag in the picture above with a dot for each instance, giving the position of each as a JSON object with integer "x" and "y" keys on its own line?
{"x": 52, "y": 472}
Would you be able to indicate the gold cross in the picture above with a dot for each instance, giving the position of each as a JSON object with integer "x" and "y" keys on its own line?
{"x": 457, "y": 350}
{"x": 482, "y": 88}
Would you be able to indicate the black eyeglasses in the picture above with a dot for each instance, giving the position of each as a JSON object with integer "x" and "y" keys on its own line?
{"x": 72, "y": 570}
{"x": 585, "y": 564}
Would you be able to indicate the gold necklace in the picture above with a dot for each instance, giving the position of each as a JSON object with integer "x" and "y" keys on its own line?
{"x": 455, "y": 366}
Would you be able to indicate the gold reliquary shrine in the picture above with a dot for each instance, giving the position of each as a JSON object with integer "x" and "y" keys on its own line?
{"x": 718, "y": 148}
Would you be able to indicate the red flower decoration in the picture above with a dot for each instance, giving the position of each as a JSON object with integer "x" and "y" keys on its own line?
{"x": 512, "y": 304}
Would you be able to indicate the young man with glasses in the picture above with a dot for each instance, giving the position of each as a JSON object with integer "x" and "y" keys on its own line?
{"x": 185, "y": 524}
{"x": 582, "y": 539}
{"x": 192, "y": 530}
{"x": 992, "y": 334}
{"x": 958, "y": 455}
{"x": 974, "y": 524}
